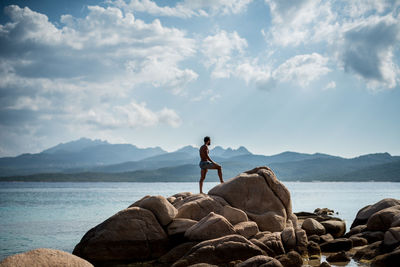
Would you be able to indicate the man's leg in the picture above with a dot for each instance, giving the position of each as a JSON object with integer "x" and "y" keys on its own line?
{"x": 202, "y": 177}
{"x": 219, "y": 168}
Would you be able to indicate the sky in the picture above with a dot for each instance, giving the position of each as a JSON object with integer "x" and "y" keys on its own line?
{"x": 271, "y": 75}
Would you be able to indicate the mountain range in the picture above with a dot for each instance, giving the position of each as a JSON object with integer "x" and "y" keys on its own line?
{"x": 96, "y": 160}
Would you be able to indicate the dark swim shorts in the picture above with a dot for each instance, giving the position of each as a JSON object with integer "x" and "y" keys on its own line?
{"x": 206, "y": 165}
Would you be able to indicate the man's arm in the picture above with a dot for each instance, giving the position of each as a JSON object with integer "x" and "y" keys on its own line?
{"x": 208, "y": 158}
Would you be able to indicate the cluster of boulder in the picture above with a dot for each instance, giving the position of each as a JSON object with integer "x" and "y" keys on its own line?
{"x": 246, "y": 221}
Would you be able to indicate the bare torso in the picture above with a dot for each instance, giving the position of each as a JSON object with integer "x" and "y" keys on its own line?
{"x": 204, "y": 153}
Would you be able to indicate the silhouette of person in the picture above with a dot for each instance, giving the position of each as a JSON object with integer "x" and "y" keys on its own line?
{"x": 207, "y": 163}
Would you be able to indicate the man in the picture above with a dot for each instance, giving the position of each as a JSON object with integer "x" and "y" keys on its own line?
{"x": 207, "y": 163}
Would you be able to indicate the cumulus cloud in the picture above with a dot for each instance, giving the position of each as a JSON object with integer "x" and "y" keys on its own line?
{"x": 367, "y": 50}
{"x": 220, "y": 49}
{"x": 131, "y": 115}
{"x": 186, "y": 8}
{"x": 361, "y": 35}
{"x": 299, "y": 70}
{"x": 77, "y": 72}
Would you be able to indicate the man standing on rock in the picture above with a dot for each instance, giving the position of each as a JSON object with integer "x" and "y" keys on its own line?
{"x": 207, "y": 163}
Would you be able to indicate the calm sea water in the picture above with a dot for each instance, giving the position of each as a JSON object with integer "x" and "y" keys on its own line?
{"x": 57, "y": 215}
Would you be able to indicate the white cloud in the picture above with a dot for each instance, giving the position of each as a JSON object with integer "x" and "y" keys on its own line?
{"x": 330, "y": 85}
{"x": 82, "y": 78}
{"x": 360, "y": 35}
{"x": 299, "y": 70}
{"x": 366, "y": 49}
{"x": 131, "y": 115}
{"x": 186, "y": 8}
{"x": 302, "y": 69}
{"x": 220, "y": 49}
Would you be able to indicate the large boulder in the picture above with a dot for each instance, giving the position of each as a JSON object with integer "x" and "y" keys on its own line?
{"x": 220, "y": 251}
{"x": 341, "y": 256}
{"x": 272, "y": 241}
{"x": 337, "y": 245}
{"x": 196, "y": 207}
{"x": 391, "y": 259}
{"x": 291, "y": 259}
{"x": 210, "y": 227}
{"x": 261, "y": 195}
{"x": 368, "y": 252}
{"x": 366, "y": 212}
{"x": 175, "y": 254}
{"x": 392, "y": 237}
{"x": 160, "y": 206}
{"x": 313, "y": 227}
{"x": 383, "y": 219}
{"x": 131, "y": 234}
{"x": 260, "y": 260}
{"x": 234, "y": 215}
{"x": 288, "y": 237}
{"x": 246, "y": 229}
{"x": 179, "y": 226}
{"x": 44, "y": 257}
{"x": 334, "y": 227}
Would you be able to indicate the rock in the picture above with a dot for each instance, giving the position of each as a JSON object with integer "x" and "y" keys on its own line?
{"x": 198, "y": 207}
{"x": 258, "y": 193}
{"x": 392, "y": 237}
{"x": 288, "y": 237}
{"x": 391, "y": 259}
{"x": 372, "y": 236}
{"x": 324, "y": 264}
{"x": 160, "y": 206}
{"x": 260, "y": 260}
{"x": 313, "y": 249}
{"x": 301, "y": 241}
{"x": 315, "y": 238}
{"x": 337, "y": 245}
{"x": 272, "y": 241}
{"x": 369, "y": 252}
{"x": 358, "y": 241}
{"x": 383, "y": 219}
{"x": 366, "y": 212}
{"x": 176, "y": 253}
{"x": 312, "y": 227}
{"x": 325, "y": 238}
{"x": 220, "y": 251}
{"x": 246, "y": 229}
{"x": 234, "y": 215}
{"x": 339, "y": 257}
{"x": 324, "y": 211}
{"x": 44, "y": 257}
{"x": 179, "y": 226}
{"x": 171, "y": 199}
{"x": 203, "y": 265}
{"x": 267, "y": 250}
{"x": 335, "y": 228}
{"x": 131, "y": 234}
{"x": 291, "y": 259}
{"x": 210, "y": 227}
{"x": 356, "y": 230}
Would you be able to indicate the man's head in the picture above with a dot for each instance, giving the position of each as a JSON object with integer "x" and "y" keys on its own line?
{"x": 207, "y": 140}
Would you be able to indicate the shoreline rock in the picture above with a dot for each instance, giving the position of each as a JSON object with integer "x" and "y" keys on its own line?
{"x": 247, "y": 220}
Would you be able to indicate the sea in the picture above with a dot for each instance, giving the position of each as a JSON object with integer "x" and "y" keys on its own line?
{"x": 57, "y": 214}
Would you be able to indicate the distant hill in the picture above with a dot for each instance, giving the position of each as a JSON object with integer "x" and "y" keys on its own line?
{"x": 82, "y": 153}
{"x": 86, "y": 159}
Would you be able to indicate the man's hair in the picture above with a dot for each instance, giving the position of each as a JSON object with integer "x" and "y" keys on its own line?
{"x": 206, "y": 139}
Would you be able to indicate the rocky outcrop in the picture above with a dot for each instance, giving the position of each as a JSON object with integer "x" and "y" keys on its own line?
{"x": 131, "y": 234}
{"x": 376, "y": 225}
{"x": 210, "y": 227}
{"x": 365, "y": 213}
{"x": 44, "y": 257}
{"x": 159, "y": 205}
{"x": 258, "y": 193}
{"x": 246, "y": 221}
{"x": 220, "y": 251}
{"x": 313, "y": 227}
